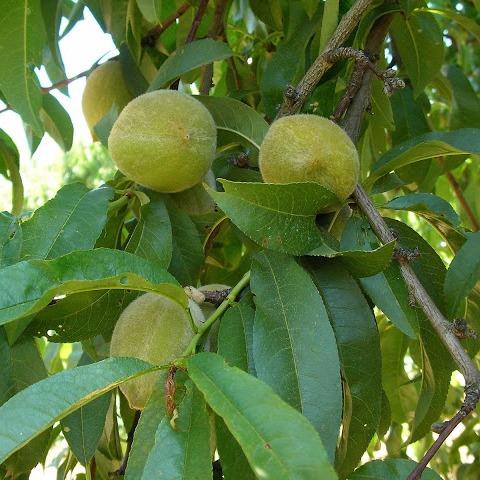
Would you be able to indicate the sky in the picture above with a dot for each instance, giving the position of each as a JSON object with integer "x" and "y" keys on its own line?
{"x": 81, "y": 48}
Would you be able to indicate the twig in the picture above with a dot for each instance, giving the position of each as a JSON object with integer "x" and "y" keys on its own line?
{"x": 216, "y": 31}
{"x": 363, "y": 62}
{"x": 67, "y": 81}
{"x": 6, "y": 109}
{"x": 202, "y": 7}
{"x": 295, "y": 97}
{"x": 152, "y": 36}
{"x": 123, "y": 467}
{"x": 463, "y": 201}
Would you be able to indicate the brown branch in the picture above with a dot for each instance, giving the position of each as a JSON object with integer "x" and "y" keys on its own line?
{"x": 463, "y": 201}
{"x": 67, "y": 81}
{"x": 441, "y": 325}
{"x": 202, "y": 8}
{"x": 123, "y": 467}
{"x": 152, "y": 36}
{"x": 295, "y": 97}
{"x": 216, "y": 31}
{"x": 6, "y": 109}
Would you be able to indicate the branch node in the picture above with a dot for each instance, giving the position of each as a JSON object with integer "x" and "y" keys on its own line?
{"x": 216, "y": 297}
{"x": 460, "y": 329}
{"x": 406, "y": 254}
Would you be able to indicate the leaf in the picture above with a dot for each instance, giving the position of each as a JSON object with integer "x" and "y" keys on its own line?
{"x": 29, "y": 286}
{"x": 462, "y": 274}
{"x": 152, "y": 237}
{"x": 22, "y": 37}
{"x": 72, "y": 220}
{"x": 390, "y": 469}
{"x": 329, "y": 21}
{"x": 465, "y": 111}
{"x": 401, "y": 393}
{"x": 144, "y": 436}
{"x": 409, "y": 117}
{"x": 57, "y": 122}
{"x": 10, "y": 239}
{"x": 237, "y": 118}
{"x": 359, "y": 348}
{"x": 413, "y": 36}
{"x": 7, "y": 149}
{"x": 83, "y": 428}
{"x": 294, "y": 347}
{"x": 427, "y": 205}
{"x": 276, "y": 216}
{"x": 81, "y": 315}
{"x": 61, "y": 394}
{"x": 277, "y": 440}
{"x": 21, "y": 365}
{"x": 187, "y": 254}
{"x": 386, "y": 289}
{"x": 469, "y": 24}
{"x": 188, "y": 57}
{"x": 151, "y": 10}
{"x": 183, "y": 452}
{"x": 235, "y": 336}
{"x": 428, "y": 145}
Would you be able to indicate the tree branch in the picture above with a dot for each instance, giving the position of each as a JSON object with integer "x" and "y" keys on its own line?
{"x": 463, "y": 201}
{"x": 295, "y": 97}
{"x": 202, "y": 7}
{"x": 216, "y": 31}
{"x": 123, "y": 467}
{"x": 152, "y": 36}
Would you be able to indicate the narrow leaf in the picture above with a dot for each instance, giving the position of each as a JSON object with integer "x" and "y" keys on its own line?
{"x": 237, "y": 118}
{"x": 359, "y": 348}
{"x": 10, "y": 239}
{"x": 428, "y": 145}
{"x": 72, "y": 220}
{"x": 61, "y": 394}
{"x": 279, "y": 217}
{"x": 29, "y": 286}
{"x": 463, "y": 273}
{"x": 294, "y": 346}
{"x": 22, "y": 37}
{"x": 57, "y": 122}
{"x": 277, "y": 440}
{"x": 187, "y": 58}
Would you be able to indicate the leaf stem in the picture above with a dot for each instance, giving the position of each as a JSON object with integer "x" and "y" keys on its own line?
{"x": 217, "y": 313}
{"x": 118, "y": 204}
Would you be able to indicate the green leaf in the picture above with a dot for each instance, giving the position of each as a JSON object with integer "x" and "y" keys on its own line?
{"x": 276, "y": 216}
{"x": 269, "y": 12}
{"x": 10, "y": 239}
{"x": 237, "y": 118}
{"x": 465, "y": 110}
{"x": 151, "y": 10}
{"x": 29, "y": 286}
{"x": 413, "y": 36}
{"x": 401, "y": 393}
{"x": 72, "y": 220}
{"x": 329, "y": 21}
{"x": 187, "y": 254}
{"x": 83, "y": 428}
{"x": 469, "y": 24}
{"x": 427, "y": 205}
{"x": 61, "y": 394}
{"x": 7, "y": 149}
{"x": 463, "y": 274}
{"x": 57, "y": 122}
{"x": 387, "y": 288}
{"x": 359, "y": 349}
{"x": 390, "y": 469}
{"x": 235, "y": 336}
{"x": 409, "y": 117}
{"x": 183, "y": 452}
{"x": 277, "y": 440}
{"x": 294, "y": 347}
{"x": 428, "y": 145}
{"x": 21, "y": 365}
{"x": 187, "y": 58}
{"x": 22, "y": 37}
{"x": 152, "y": 237}
{"x": 144, "y": 436}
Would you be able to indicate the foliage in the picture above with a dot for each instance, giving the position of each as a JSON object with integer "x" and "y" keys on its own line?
{"x": 316, "y": 364}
